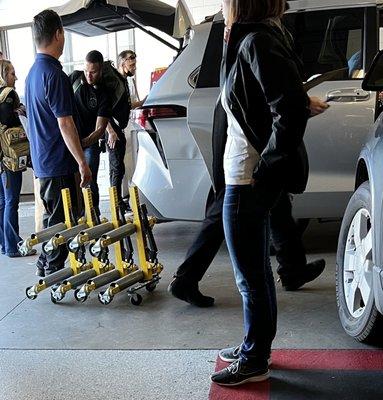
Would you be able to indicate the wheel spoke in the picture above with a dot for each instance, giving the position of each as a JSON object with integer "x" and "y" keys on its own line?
{"x": 366, "y": 246}
{"x": 365, "y": 289}
{"x": 359, "y": 228}
{"x": 350, "y": 260}
{"x": 350, "y": 296}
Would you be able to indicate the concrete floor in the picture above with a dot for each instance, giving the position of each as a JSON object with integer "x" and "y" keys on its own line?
{"x": 69, "y": 350}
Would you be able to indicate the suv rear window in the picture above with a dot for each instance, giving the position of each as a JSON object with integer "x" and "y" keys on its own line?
{"x": 211, "y": 62}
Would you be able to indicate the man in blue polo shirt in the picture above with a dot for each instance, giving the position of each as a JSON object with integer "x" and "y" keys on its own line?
{"x": 54, "y": 141}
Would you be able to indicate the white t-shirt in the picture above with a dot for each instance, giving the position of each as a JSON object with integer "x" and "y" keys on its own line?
{"x": 240, "y": 156}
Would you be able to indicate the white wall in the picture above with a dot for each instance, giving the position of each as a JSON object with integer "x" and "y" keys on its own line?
{"x": 201, "y": 8}
{"x": 161, "y": 55}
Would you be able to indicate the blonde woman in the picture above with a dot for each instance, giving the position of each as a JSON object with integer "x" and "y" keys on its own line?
{"x": 10, "y": 184}
{"x": 267, "y": 111}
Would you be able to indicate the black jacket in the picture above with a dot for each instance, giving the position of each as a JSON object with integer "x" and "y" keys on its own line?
{"x": 8, "y": 115}
{"x": 265, "y": 93}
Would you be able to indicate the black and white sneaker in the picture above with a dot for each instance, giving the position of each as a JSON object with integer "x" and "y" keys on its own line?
{"x": 238, "y": 373}
{"x": 231, "y": 354}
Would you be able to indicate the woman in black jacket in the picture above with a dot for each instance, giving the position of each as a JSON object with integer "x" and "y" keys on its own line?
{"x": 267, "y": 111}
{"x": 10, "y": 182}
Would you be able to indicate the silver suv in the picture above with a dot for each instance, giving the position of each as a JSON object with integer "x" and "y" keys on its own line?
{"x": 336, "y": 40}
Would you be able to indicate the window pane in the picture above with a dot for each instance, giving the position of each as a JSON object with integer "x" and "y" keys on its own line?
{"x": 159, "y": 56}
{"x": 211, "y": 64}
{"x": 21, "y": 56}
{"x": 328, "y": 41}
{"x": 77, "y": 47}
{"x": 381, "y": 31}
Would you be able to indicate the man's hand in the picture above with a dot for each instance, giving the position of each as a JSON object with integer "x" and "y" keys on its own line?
{"x": 86, "y": 142}
{"x": 112, "y": 138}
{"x": 21, "y": 110}
{"x": 317, "y": 106}
{"x": 86, "y": 175}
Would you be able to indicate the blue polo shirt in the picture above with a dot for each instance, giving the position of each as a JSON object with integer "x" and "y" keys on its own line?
{"x": 48, "y": 96}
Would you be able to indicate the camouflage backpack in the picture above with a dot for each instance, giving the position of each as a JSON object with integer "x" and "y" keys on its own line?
{"x": 14, "y": 145}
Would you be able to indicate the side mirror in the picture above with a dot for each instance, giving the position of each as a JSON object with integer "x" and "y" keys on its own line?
{"x": 374, "y": 78}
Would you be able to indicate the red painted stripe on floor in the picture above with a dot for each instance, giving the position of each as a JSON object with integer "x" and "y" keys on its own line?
{"x": 250, "y": 391}
{"x": 369, "y": 360}
{"x": 358, "y": 360}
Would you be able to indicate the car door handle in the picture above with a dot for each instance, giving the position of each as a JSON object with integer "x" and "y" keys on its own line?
{"x": 347, "y": 95}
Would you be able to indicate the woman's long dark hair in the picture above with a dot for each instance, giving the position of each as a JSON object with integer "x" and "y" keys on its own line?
{"x": 255, "y": 10}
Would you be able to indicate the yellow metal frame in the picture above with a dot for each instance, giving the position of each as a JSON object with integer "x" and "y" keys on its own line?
{"x": 67, "y": 204}
{"x": 145, "y": 265}
{"x": 98, "y": 266}
{"x": 114, "y": 208}
{"x": 74, "y": 264}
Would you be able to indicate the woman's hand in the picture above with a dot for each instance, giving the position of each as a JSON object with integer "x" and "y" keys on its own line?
{"x": 317, "y": 106}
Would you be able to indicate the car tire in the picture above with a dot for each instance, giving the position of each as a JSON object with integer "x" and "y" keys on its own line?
{"x": 354, "y": 270}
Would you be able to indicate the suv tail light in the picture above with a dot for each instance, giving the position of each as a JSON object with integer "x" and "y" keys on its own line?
{"x": 144, "y": 116}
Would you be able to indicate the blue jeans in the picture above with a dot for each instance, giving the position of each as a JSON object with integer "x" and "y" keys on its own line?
{"x": 10, "y": 188}
{"x": 92, "y": 157}
{"x": 246, "y": 225}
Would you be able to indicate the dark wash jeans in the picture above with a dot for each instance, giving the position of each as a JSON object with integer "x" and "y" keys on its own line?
{"x": 286, "y": 238}
{"x": 116, "y": 163}
{"x": 10, "y": 188}
{"x": 92, "y": 157}
{"x": 50, "y": 193}
{"x": 246, "y": 224}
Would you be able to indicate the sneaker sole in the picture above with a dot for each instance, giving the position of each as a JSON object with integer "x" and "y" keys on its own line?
{"x": 258, "y": 378}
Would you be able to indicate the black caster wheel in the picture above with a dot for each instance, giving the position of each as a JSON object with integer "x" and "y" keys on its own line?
{"x": 30, "y": 296}
{"x": 136, "y": 299}
{"x": 79, "y": 297}
{"x": 93, "y": 253}
{"x": 150, "y": 287}
{"x": 47, "y": 253}
{"x": 104, "y": 300}
{"x": 55, "y": 299}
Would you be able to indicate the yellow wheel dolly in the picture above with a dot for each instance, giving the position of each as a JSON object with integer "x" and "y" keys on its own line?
{"x": 126, "y": 272}
{"x": 61, "y": 235}
{"x": 82, "y": 270}
{"x": 103, "y": 271}
{"x": 148, "y": 275}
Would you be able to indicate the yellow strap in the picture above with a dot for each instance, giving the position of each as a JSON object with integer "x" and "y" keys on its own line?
{"x": 4, "y": 94}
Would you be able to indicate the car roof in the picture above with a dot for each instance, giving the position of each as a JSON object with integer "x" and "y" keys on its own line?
{"x": 327, "y": 4}
{"x": 302, "y": 5}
